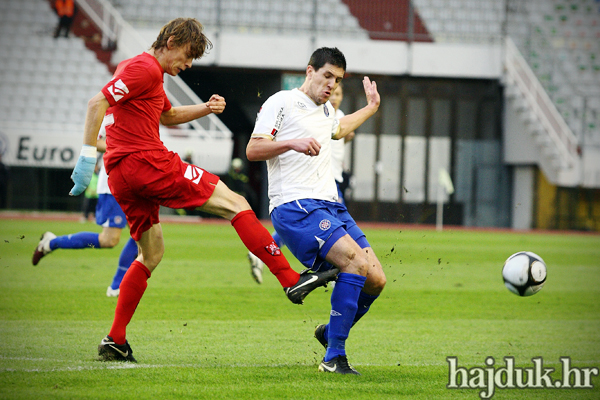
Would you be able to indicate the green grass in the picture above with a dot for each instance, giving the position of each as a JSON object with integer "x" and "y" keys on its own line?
{"x": 205, "y": 329}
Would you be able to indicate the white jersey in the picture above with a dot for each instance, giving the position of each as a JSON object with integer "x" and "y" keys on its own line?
{"x": 338, "y": 148}
{"x": 291, "y": 114}
{"x": 103, "y": 181}
{"x": 102, "y": 175}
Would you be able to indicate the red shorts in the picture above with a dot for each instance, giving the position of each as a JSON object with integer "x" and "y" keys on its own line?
{"x": 146, "y": 180}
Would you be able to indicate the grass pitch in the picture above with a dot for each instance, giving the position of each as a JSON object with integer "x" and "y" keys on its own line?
{"x": 206, "y": 330}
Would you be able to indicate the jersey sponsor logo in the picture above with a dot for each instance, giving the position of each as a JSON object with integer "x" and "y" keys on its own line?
{"x": 273, "y": 249}
{"x": 193, "y": 173}
{"x": 326, "y": 110}
{"x": 118, "y": 220}
{"x": 118, "y": 90}
{"x": 335, "y": 313}
{"x": 325, "y": 224}
{"x": 301, "y": 105}
{"x": 279, "y": 119}
{"x": 274, "y": 132}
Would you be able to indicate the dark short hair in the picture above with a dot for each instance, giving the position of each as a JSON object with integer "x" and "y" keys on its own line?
{"x": 327, "y": 55}
{"x": 184, "y": 31}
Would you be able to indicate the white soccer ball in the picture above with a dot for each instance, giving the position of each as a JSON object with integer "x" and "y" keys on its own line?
{"x": 524, "y": 273}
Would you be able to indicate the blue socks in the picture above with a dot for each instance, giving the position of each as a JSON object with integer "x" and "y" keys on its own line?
{"x": 344, "y": 304}
{"x": 128, "y": 255}
{"x": 84, "y": 240}
{"x": 81, "y": 240}
{"x": 364, "y": 303}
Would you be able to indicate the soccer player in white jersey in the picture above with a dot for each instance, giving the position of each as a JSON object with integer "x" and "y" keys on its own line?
{"x": 338, "y": 150}
{"x": 293, "y": 133}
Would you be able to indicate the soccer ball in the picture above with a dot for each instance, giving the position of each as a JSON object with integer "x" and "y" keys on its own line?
{"x": 524, "y": 273}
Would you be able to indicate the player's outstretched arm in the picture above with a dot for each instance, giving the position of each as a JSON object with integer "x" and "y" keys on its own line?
{"x": 261, "y": 149}
{"x": 182, "y": 114}
{"x": 350, "y": 122}
{"x": 84, "y": 169}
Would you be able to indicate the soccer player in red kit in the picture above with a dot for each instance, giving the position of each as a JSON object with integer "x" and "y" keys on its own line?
{"x": 143, "y": 174}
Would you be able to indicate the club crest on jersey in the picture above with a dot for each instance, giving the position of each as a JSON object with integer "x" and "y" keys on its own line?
{"x": 193, "y": 173}
{"x": 301, "y": 105}
{"x": 326, "y": 110}
{"x": 273, "y": 249}
{"x": 325, "y": 224}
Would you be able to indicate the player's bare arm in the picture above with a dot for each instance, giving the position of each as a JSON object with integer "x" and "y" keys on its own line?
{"x": 96, "y": 109}
{"x": 101, "y": 145}
{"x": 182, "y": 114}
{"x": 261, "y": 149}
{"x": 350, "y": 122}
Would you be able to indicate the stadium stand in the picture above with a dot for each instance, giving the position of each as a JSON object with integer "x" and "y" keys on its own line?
{"x": 562, "y": 47}
{"x": 558, "y": 38}
{"x": 258, "y": 16}
{"x": 463, "y": 20}
{"x": 49, "y": 80}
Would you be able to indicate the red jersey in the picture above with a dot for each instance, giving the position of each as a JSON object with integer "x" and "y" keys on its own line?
{"x": 137, "y": 99}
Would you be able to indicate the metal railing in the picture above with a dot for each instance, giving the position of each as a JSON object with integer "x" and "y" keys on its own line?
{"x": 560, "y": 135}
{"x": 106, "y": 18}
{"x": 562, "y": 49}
{"x": 113, "y": 26}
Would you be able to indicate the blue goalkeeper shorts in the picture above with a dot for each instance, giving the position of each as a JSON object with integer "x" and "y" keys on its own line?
{"x": 109, "y": 213}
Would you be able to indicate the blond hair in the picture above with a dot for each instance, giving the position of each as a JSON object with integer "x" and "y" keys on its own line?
{"x": 184, "y": 31}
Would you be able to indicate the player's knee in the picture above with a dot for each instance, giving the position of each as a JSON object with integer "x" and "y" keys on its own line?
{"x": 375, "y": 281}
{"x": 152, "y": 260}
{"x": 109, "y": 241}
{"x": 240, "y": 203}
{"x": 227, "y": 204}
{"x": 379, "y": 280}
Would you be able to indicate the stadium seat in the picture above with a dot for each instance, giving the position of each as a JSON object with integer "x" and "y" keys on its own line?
{"x": 247, "y": 14}
{"x": 33, "y": 65}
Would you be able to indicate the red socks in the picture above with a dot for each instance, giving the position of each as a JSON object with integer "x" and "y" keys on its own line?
{"x": 258, "y": 240}
{"x": 132, "y": 289}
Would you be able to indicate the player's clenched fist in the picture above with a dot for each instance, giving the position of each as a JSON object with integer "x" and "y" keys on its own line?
{"x": 216, "y": 104}
{"x": 309, "y": 146}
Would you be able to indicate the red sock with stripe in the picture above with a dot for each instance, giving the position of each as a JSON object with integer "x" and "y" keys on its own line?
{"x": 132, "y": 289}
{"x": 259, "y": 241}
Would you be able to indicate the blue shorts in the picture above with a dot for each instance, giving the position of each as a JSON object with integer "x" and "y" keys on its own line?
{"x": 109, "y": 213}
{"x": 310, "y": 228}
